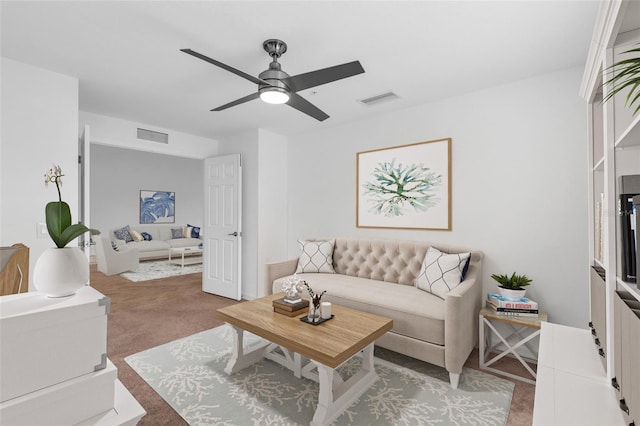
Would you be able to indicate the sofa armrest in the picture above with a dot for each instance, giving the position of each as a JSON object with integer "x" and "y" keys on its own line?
{"x": 119, "y": 243}
{"x": 273, "y": 271}
{"x": 462, "y": 307}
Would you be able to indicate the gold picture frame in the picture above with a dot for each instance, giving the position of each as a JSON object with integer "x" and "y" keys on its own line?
{"x": 405, "y": 187}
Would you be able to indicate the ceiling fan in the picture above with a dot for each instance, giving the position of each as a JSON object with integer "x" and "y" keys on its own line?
{"x": 277, "y": 87}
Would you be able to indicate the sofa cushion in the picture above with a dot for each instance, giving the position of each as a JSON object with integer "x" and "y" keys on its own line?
{"x": 176, "y": 233}
{"x": 147, "y": 236}
{"x": 147, "y": 246}
{"x": 316, "y": 256}
{"x": 415, "y": 313}
{"x": 441, "y": 272}
{"x": 123, "y": 234}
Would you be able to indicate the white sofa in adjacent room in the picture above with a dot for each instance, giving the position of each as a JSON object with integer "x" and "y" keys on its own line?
{"x": 161, "y": 240}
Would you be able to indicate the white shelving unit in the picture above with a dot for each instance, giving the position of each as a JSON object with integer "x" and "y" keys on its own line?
{"x": 565, "y": 391}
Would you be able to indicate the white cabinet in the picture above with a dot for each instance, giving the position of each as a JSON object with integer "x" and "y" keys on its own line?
{"x": 49, "y": 340}
{"x": 572, "y": 388}
{"x": 614, "y": 136}
{"x": 53, "y": 362}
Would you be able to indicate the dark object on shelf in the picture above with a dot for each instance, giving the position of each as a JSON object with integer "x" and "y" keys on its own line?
{"x": 636, "y": 207}
{"x": 628, "y": 213}
{"x": 319, "y": 321}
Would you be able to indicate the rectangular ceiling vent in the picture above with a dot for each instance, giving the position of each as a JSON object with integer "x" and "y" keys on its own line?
{"x": 150, "y": 135}
{"x": 377, "y": 99}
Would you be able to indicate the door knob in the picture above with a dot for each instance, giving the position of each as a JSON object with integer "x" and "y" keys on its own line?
{"x": 235, "y": 234}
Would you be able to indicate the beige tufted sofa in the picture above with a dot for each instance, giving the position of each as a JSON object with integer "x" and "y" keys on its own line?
{"x": 378, "y": 276}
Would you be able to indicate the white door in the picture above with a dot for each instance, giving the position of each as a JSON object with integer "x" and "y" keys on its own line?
{"x": 223, "y": 226}
{"x": 84, "y": 174}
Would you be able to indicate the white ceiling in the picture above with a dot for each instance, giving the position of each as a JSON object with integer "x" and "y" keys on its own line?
{"x": 126, "y": 54}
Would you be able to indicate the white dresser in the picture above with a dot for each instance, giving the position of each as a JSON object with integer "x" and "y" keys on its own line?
{"x": 53, "y": 362}
{"x": 572, "y": 386}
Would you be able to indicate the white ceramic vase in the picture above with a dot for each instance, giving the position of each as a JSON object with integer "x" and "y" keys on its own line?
{"x": 512, "y": 294}
{"x": 60, "y": 272}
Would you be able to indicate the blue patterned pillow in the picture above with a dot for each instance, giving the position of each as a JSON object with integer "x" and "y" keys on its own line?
{"x": 195, "y": 231}
{"x": 123, "y": 234}
{"x": 176, "y": 232}
{"x": 147, "y": 236}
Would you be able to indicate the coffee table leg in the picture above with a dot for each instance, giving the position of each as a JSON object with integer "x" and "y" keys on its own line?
{"x": 239, "y": 357}
{"x": 336, "y": 396}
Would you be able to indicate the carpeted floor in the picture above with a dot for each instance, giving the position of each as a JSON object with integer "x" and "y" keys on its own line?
{"x": 150, "y": 313}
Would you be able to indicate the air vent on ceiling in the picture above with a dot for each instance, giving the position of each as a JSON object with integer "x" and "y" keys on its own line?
{"x": 383, "y": 97}
{"x": 150, "y": 135}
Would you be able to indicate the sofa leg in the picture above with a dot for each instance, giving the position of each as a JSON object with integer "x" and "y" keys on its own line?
{"x": 454, "y": 379}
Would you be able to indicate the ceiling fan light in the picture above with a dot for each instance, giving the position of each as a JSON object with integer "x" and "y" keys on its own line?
{"x": 274, "y": 95}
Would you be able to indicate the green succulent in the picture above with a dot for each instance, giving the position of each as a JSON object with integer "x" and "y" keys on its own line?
{"x": 513, "y": 282}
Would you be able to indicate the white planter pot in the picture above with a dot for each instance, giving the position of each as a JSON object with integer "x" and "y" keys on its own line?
{"x": 512, "y": 294}
{"x": 59, "y": 272}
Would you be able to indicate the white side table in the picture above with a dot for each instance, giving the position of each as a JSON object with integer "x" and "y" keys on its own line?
{"x": 523, "y": 330}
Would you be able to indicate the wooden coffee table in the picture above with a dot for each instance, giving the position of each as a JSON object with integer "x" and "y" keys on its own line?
{"x": 311, "y": 351}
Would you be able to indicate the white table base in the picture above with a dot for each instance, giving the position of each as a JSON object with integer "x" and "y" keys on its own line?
{"x": 335, "y": 394}
{"x": 510, "y": 345}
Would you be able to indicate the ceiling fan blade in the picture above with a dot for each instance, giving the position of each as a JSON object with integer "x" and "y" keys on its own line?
{"x": 247, "y": 98}
{"x": 301, "y": 104}
{"x": 225, "y": 67}
{"x": 323, "y": 76}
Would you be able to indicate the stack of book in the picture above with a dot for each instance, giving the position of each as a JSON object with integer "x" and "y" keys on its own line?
{"x": 290, "y": 309}
{"x": 502, "y": 306}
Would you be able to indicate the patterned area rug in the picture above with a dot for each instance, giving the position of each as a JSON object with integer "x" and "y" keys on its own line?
{"x": 188, "y": 374}
{"x": 154, "y": 269}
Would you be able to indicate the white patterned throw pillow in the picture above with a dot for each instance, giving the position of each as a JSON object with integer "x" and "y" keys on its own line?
{"x": 316, "y": 256}
{"x": 441, "y": 272}
{"x": 123, "y": 234}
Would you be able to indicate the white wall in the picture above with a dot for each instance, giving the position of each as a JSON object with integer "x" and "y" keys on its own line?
{"x": 122, "y": 133}
{"x": 39, "y": 127}
{"x": 118, "y": 175}
{"x": 272, "y": 205}
{"x": 519, "y": 187}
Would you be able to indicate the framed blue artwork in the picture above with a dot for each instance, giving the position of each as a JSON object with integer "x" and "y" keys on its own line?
{"x": 157, "y": 207}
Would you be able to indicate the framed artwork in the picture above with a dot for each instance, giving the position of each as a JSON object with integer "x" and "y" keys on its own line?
{"x": 406, "y": 186}
{"x": 157, "y": 207}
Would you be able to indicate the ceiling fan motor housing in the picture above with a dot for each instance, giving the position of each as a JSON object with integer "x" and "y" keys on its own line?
{"x": 274, "y": 78}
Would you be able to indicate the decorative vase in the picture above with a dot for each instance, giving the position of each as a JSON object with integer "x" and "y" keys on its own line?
{"x": 512, "y": 294}
{"x": 60, "y": 272}
{"x": 314, "y": 314}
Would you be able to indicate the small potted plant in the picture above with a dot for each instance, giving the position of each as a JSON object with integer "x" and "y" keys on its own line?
{"x": 512, "y": 287}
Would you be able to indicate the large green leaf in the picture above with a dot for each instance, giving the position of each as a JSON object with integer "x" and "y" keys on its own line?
{"x": 73, "y": 232}
{"x": 59, "y": 225}
{"x": 58, "y": 217}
